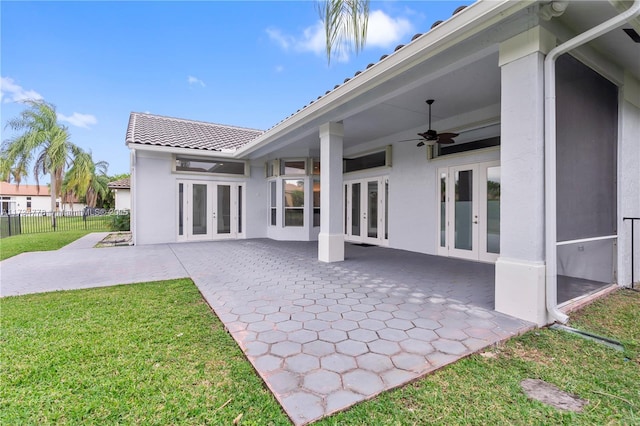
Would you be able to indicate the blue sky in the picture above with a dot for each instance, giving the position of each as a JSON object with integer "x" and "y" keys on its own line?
{"x": 242, "y": 63}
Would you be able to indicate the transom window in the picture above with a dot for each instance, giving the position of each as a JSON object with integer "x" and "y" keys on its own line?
{"x": 207, "y": 165}
{"x": 372, "y": 160}
{"x": 293, "y": 167}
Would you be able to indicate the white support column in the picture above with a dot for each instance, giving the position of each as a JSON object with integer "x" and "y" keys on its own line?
{"x": 331, "y": 237}
{"x": 520, "y": 269}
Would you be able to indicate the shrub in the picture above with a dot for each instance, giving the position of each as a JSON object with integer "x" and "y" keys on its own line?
{"x": 121, "y": 222}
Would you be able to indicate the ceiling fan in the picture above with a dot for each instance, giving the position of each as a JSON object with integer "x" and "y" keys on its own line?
{"x": 431, "y": 135}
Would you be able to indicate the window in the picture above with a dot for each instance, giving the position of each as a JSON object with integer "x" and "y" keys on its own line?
{"x": 316, "y": 202}
{"x": 315, "y": 167}
{"x": 468, "y": 146}
{"x": 271, "y": 168}
{"x": 293, "y": 202}
{"x": 28, "y": 204}
{"x": 368, "y": 161}
{"x": 293, "y": 167}
{"x": 272, "y": 208}
{"x": 206, "y": 165}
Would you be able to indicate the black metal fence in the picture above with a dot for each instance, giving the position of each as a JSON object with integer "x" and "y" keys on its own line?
{"x": 15, "y": 223}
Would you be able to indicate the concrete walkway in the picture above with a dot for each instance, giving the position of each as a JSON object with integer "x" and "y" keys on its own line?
{"x": 322, "y": 336}
{"x": 79, "y": 265}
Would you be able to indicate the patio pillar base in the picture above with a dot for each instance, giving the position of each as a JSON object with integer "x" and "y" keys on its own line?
{"x": 330, "y": 247}
{"x": 520, "y": 290}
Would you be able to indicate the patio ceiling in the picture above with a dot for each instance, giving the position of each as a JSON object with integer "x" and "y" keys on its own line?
{"x": 463, "y": 79}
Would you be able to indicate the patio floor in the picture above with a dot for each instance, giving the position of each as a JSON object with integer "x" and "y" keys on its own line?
{"x": 326, "y": 336}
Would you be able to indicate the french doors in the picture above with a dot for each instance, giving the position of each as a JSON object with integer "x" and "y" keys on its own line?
{"x": 210, "y": 210}
{"x": 469, "y": 211}
{"x": 366, "y": 210}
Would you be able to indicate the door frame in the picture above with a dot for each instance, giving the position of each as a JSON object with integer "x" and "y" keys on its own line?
{"x": 237, "y": 210}
{"x": 382, "y": 238}
{"x": 479, "y": 214}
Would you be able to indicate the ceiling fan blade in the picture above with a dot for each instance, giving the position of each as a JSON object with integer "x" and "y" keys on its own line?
{"x": 421, "y": 143}
{"x": 448, "y": 135}
{"x": 445, "y": 141}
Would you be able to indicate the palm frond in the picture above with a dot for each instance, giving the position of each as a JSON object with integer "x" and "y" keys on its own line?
{"x": 345, "y": 24}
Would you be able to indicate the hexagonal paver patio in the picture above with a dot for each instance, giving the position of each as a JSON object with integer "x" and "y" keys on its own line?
{"x": 325, "y": 336}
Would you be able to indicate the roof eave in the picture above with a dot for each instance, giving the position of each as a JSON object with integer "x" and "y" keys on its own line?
{"x": 177, "y": 150}
{"x": 461, "y": 26}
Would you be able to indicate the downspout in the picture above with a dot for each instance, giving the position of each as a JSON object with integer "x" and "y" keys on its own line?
{"x": 550, "y": 148}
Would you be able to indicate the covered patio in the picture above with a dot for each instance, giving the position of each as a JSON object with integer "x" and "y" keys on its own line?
{"x": 325, "y": 336}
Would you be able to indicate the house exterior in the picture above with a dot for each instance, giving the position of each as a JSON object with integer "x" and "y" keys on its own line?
{"x": 122, "y": 193}
{"x": 545, "y": 99}
{"x": 31, "y": 198}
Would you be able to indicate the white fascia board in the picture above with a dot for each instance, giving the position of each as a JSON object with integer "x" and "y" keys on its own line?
{"x": 185, "y": 151}
{"x": 470, "y": 21}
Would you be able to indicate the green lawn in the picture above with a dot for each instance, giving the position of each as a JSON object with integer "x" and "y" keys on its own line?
{"x": 154, "y": 353}
{"x": 16, "y": 244}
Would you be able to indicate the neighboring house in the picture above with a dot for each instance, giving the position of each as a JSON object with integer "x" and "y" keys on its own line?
{"x": 122, "y": 191}
{"x": 538, "y": 188}
{"x": 31, "y": 198}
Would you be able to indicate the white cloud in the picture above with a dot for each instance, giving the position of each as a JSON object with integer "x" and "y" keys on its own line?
{"x": 195, "y": 80}
{"x": 279, "y": 68}
{"x": 282, "y": 40}
{"x": 383, "y": 32}
{"x": 79, "y": 120}
{"x": 12, "y": 92}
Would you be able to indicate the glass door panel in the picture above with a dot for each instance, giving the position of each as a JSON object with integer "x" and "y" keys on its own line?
{"x": 372, "y": 209}
{"x": 240, "y": 206}
{"x": 463, "y": 210}
{"x": 443, "y": 208}
{"x": 199, "y": 211}
{"x": 355, "y": 209}
{"x": 223, "y": 210}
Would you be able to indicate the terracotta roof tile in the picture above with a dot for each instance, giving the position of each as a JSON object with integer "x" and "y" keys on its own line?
{"x": 120, "y": 184}
{"x": 13, "y": 189}
{"x": 149, "y": 129}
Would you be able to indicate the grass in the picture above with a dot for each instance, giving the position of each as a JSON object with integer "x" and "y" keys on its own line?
{"x": 151, "y": 353}
{"x": 154, "y": 353}
{"x": 16, "y": 244}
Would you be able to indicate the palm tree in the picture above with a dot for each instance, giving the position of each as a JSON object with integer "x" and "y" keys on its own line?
{"x": 345, "y": 22}
{"x": 87, "y": 178}
{"x": 43, "y": 141}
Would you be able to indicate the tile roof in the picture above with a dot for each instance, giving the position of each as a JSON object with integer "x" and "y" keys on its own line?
{"x": 149, "y": 129}
{"x": 120, "y": 184}
{"x": 9, "y": 189}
